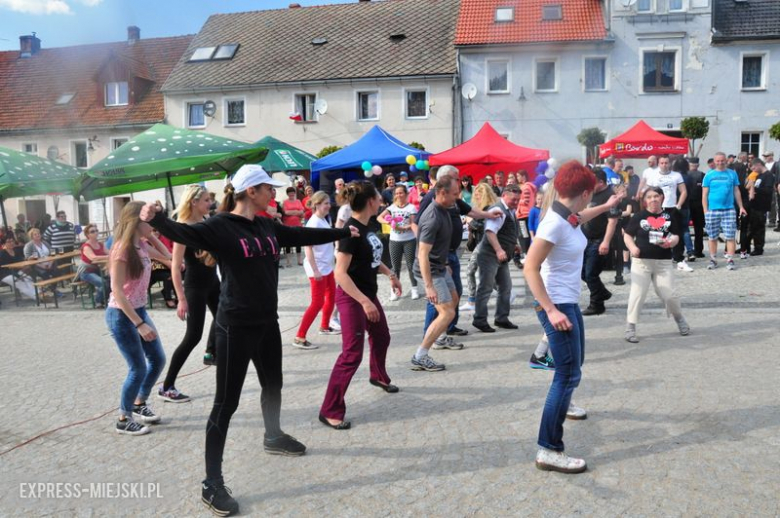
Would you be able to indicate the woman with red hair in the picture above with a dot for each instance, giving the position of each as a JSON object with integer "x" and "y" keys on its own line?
{"x": 552, "y": 271}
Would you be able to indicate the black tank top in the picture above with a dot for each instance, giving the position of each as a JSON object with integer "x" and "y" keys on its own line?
{"x": 196, "y": 273}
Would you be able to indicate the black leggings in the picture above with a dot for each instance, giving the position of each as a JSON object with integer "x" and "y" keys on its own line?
{"x": 163, "y": 275}
{"x": 236, "y": 346}
{"x": 198, "y": 298}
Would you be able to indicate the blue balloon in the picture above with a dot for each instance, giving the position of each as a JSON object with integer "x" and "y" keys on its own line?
{"x": 412, "y": 169}
{"x": 542, "y": 167}
{"x": 540, "y": 180}
{"x": 366, "y": 165}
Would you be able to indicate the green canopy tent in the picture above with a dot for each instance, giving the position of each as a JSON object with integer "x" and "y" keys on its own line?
{"x": 23, "y": 174}
{"x": 164, "y": 156}
{"x": 283, "y": 157}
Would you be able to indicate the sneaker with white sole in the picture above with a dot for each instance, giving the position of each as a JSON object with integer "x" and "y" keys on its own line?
{"x": 393, "y": 296}
{"x": 130, "y": 427}
{"x": 683, "y": 326}
{"x": 218, "y": 498}
{"x": 302, "y": 343}
{"x": 447, "y": 342}
{"x": 730, "y": 265}
{"x": 467, "y": 306}
{"x": 576, "y": 413}
{"x": 426, "y": 363}
{"x": 549, "y": 460}
{"x": 172, "y": 395}
{"x": 414, "y": 293}
{"x": 712, "y": 264}
{"x": 683, "y": 266}
{"x": 329, "y": 331}
{"x": 144, "y": 414}
{"x": 335, "y": 324}
{"x": 546, "y": 363}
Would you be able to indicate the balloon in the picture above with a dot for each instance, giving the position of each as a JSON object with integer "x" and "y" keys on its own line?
{"x": 366, "y": 165}
{"x": 552, "y": 163}
{"x": 540, "y": 180}
{"x": 377, "y": 170}
{"x": 541, "y": 167}
{"x": 427, "y": 165}
{"x": 368, "y": 173}
{"x": 420, "y": 165}
{"x": 410, "y": 159}
{"x": 412, "y": 169}
{"x": 550, "y": 173}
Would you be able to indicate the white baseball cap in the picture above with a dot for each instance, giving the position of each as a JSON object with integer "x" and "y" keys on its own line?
{"x": 250, "y": 175}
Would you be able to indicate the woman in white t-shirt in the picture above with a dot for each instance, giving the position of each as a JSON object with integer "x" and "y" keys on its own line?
{"x": 319, "y": 269}
{"x": 400, "y": 216}
{"x": 552, "y": 270}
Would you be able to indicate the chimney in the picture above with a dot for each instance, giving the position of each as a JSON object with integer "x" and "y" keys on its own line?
{"x": 29, "y": 46}
{"x": 133, "y": 34}
{"x": 294, "y": 6}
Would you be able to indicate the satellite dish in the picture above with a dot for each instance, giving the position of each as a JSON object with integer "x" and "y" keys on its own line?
{"x": 321, "y": 106}
{"x": 209, "y": 108}
{"x": 469, "y": 91}
{"x": 627, "y": 3}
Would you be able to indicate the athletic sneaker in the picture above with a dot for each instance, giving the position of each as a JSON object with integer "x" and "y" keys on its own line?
{"x": 547, "y": 363}
{"x": 576, "y": 413}
{"x": 302, "y": 343}
{"x": 713, "y": 264}
{"x": 130, "y": 427}
{"x": 447, "y": 342}
{"x": 393, "y": 296}
{"x": 683, "y": 326}
{"x": 743, "y": 254}
{"x": 172, "y": 395}
{"x": 335, "y": 324}
{"x": 683, "y": 266}
{"x": 329, "y": 331}
{"x": 209, "y": 359}
{"x": 415, "y": 293}
{"x": 549, "y": 460}
{"x": 217, "y": 498}
{"x": 426, "y": 364}
{"x": 284, "y": 445}
{"x": 144, "y": 414}
{"x": 467, "y": 306}
{"x": 730, "y": 265}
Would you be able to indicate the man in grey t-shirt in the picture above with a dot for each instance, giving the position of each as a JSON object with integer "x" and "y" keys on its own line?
{"x": 430, "y": 268}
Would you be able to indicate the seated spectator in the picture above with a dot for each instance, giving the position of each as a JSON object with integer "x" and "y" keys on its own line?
{"x": 89, "y": 271}
{"x": 10, "y": 253}
{"x": 161, "y": 272}
{"x": 37, "y": 249}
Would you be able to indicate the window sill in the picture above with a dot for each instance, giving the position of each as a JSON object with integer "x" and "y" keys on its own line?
{"x": 416, "y": 118}
{"x": 368, "y": 120}
{"x": 241, "y": 125}
{"x": 499, "y": 92}
{"x": 115, "y": 105}
{"x": 545, "y": 91}
{"x": 757, "y": 89}
{"x": 659, "y": 92}
{"x": 197, "y": 127}
{"x": 593, "y": 91}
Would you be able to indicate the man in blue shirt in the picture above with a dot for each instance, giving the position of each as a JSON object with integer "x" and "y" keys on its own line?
{"x": 720, "y": 190}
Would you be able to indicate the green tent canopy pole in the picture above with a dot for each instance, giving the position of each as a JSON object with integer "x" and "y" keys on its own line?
{"x": 170, "y": 192}
{"x": 2, "y": 209}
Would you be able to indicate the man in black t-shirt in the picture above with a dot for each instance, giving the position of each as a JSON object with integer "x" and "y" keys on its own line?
{"x": 599, "y": 232}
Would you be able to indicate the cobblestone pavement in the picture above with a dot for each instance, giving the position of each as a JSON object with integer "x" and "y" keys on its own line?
{"x": 677, "y": 426}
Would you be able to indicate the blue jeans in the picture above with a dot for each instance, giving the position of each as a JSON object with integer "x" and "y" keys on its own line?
{"x": 568, "y": 349}
{"x": 430, "y": 309}
{"x": 686, "y": 236}
{"x": 145, "y": 360}
{"x": 97, "y": 281}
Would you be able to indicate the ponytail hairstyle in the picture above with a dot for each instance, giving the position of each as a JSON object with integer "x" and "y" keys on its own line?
{"x": 124, "y": 236}
{"x": 358, "y": 194}
{"x": 184, "y": 210}
{"x": 230, "y": 198}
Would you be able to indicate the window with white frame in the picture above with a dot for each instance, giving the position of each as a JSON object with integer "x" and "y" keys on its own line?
{"x": 546, "y": 71}
{"x": 31, "y": 148}
{"x": 368, "y": 106}
{"x": 235, "y": 112}
{"x": 117, "y": 142}
{"x": 676, "y": 5}
{"x": 751, "y": 142}
{"x": 79, "y": 154}
{"x": 753, "y": 72}
{"x": 699, "y": 4}
{"x": 304, "y": 106}
{"x": 595, "y": 74}
{"x": 505, "y": 14}
{"x": 195, "y": 116}
{"x": 659, "y": 71}
{"x": 498, "y": 76}
{"x": 644, "y": 6}
{"x": 116, "y": 93}
{"x": 416, "y": 104}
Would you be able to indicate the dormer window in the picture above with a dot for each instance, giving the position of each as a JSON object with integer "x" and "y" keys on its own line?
{"x": 505, "y": 14}
{"x": 117, "y": 94}
{"x": 552, "y": 12}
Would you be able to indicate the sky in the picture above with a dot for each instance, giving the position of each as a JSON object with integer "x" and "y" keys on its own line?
{"x": 62, "y": 23}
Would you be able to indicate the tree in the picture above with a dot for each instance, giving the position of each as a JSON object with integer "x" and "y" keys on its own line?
{"x": 774, "y": 131}
{"x": 591, "y": 138}
{"x": 417, "y": 145}
{"x": 694, "y": 128}
{"x": 327, "y": 150}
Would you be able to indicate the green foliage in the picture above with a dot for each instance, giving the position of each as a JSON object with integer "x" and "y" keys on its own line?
{"x": 695, "y": 128}
{"x": 417, "y": 145}
{"x": 327, "y": 150}
{"x": 591, "y": 138}
{"x": 774, "y": 131}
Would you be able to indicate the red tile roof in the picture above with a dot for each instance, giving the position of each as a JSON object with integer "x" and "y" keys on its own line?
{"x": 30, "y": 87}
{"x": 582, "y": 20}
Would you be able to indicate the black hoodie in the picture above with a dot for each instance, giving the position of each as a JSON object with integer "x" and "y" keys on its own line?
{"x": 247, "y": 253}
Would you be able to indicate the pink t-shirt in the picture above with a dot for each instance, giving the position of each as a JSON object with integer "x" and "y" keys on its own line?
{"x": 135, "y": 289}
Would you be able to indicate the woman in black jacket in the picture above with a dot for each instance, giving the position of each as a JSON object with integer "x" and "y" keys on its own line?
{"x": 247, "y": 252}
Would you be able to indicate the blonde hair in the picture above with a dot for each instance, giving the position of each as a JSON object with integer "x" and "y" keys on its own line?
{"x": 124, "y": 237}
{"x": 550, "y": 195}
{"x": 317, "y": 198}
{"x": 486, "y": 195}
{"x": 193, "y": 193}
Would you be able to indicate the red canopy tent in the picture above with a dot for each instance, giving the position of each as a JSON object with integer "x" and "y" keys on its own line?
{"x": 642, "y": 141}
{"x": 488, "y": 152}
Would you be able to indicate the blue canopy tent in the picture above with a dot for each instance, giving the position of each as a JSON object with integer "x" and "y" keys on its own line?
{"x": 376, "y": 146}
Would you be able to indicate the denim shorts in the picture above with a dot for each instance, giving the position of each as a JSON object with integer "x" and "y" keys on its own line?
{"x": 721, "y": 220}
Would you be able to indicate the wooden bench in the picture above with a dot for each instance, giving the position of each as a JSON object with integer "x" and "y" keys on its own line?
{"x": 86, "y": 292}
{"x": 50, "y": 282}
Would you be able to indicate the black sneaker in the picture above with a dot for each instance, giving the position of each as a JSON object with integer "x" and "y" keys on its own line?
{"x": 284, "y": 445}
{"x": 209, "y": 359}
{"x": 130, "y": 427}
{"x": 592, "y": 310}
{"x": 144, "y": 414}
{"x": 547, "y": 363}
{"x": 456, "y": 331}
{"x": 217, "y": 498}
